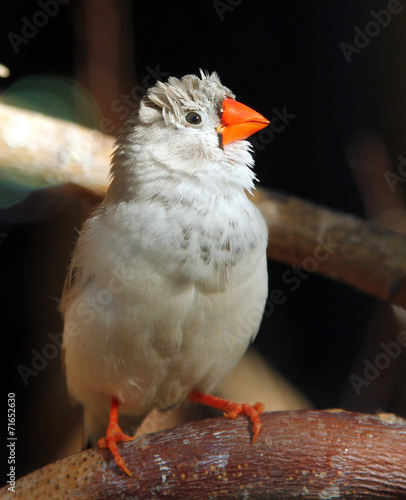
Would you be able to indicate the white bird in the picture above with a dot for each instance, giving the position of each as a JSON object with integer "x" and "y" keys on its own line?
{"x": 168, "y": 281}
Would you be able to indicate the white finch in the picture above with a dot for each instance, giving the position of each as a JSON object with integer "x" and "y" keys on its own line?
{"x": 168, "y": 281}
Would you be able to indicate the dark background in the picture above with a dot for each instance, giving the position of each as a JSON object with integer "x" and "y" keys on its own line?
{"x": 272, "y": 55}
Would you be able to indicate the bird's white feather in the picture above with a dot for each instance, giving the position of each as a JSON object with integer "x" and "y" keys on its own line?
{"x": 168, "y": 280}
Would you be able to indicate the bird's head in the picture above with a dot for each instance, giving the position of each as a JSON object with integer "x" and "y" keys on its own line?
{"x": 189, "y": 126}
{"x": 199, "y": 112}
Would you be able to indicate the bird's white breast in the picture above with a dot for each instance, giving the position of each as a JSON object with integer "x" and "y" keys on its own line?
{"x": 174, "y": 296}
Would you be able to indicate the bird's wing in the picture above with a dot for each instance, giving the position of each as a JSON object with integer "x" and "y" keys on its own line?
{"x": 74, "y": 277}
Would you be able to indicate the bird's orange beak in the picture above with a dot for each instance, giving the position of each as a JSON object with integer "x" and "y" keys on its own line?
{"x": 239, "y": 121}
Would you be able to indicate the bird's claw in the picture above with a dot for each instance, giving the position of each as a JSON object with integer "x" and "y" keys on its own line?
{"x": 115, "y": 435}
{"x": 231, "y": 409}
{"x": 252, "y": 411}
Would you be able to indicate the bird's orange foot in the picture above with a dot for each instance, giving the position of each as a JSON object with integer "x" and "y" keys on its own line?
{"x": 114, "y": 435}
{"x": 231, "y": 409}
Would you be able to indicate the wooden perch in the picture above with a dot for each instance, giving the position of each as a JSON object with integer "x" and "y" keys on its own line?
{"x": 45, "y": 151}
{"x": 40, "y": 151}
{"x": 360, "y": 253}
{"x": 306, "y": 454}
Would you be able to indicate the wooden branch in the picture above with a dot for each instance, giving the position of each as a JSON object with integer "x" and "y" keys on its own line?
{"x": 40, "y": 151}
{"x": 363, "y": 254}
{"x": 45, "y": 151}
{"x": 306, "y": 454}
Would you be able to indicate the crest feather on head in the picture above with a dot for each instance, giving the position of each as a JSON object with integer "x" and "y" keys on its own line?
{"x": 176, "y": 96}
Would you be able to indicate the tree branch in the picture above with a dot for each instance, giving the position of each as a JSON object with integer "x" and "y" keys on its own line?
{"x": 360, "y": 253}
{"x": 311, "y": 454}
{"x": 43, "y": 151}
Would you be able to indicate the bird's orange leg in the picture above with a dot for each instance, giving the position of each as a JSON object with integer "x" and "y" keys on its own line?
{"x": 114, "y": 435}
{"x": 231, "y": 409}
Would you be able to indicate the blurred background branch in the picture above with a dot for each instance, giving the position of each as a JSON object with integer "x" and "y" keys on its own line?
{"x": 362, "y": 254}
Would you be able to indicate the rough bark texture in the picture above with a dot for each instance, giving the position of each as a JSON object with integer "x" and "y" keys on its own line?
{"x": 306, "y": 454}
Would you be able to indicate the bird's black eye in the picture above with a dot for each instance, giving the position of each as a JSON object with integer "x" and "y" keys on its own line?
{"x": 193, "y": 118}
